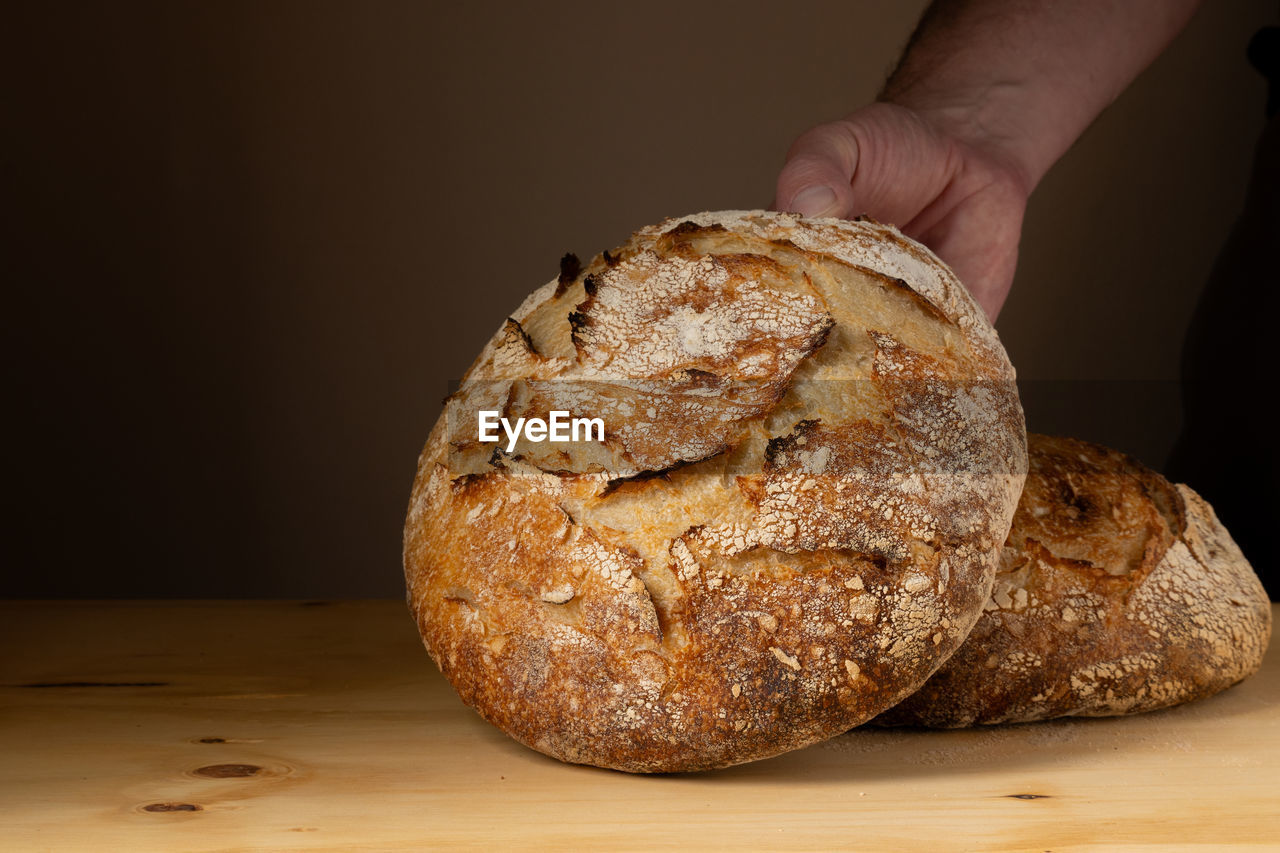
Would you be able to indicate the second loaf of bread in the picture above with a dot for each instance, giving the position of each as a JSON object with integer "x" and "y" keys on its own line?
{"x": 1118, "y": 592}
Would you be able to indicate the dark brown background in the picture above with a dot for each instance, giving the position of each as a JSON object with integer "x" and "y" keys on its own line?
{"x": 249, "y": 244}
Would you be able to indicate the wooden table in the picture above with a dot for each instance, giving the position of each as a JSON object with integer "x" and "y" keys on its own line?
{"x": 324, "y": 725}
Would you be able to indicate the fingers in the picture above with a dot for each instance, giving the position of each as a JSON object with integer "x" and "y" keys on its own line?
{"x": 816, "y": 178}
{"x": 882, "y": 160}
{"x": 992, "y": 279}
{"x": 980, "y": 244}
{"x": 899, "y": 167}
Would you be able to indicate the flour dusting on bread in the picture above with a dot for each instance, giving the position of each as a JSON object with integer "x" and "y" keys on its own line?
{"x": 1118, "y": 593}
{"x": 812, "y": 450}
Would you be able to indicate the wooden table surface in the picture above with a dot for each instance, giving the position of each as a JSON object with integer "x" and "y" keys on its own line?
{"x": 324, "y": 725}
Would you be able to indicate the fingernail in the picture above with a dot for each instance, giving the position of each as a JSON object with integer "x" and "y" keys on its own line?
{"x": 815, "y": 201}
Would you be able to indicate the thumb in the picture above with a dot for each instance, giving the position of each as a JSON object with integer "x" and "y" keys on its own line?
{"x": 815, "y": 181}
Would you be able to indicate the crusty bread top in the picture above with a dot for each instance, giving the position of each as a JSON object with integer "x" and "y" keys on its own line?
{"x": 861, "y": 243}
{"x": 809, "y": 468}
{"x": 1118, "y": 592}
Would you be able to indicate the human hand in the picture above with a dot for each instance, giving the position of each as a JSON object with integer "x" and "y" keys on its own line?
{"x": 933, "y": 176}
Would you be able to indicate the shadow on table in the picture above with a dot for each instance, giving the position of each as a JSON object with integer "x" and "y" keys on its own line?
{"x": 869, "y": 753}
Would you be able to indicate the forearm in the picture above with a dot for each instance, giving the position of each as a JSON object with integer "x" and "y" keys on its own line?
{"x": 1024, "y": 78}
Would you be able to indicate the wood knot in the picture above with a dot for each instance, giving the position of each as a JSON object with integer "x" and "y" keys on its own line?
{"x": 228, "y": 771}
{"x": 1027, "y": 797}
{"x": 172, "y": 807}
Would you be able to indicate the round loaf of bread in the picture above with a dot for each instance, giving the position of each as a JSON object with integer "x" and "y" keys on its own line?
{"x": 812, "y": 449}
{"x": 1117, "y": 593}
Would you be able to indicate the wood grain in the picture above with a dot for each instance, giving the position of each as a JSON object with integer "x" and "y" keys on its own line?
{"x": 325, "y": 726}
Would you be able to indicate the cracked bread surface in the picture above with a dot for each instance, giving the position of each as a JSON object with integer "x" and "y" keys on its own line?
{"x": 813, "y": 448}
{"x": 1118, "y": 592}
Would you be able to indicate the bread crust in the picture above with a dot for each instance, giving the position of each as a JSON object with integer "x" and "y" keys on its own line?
{"x": 1117, "y": 593}
{"x": 809, "y": 468}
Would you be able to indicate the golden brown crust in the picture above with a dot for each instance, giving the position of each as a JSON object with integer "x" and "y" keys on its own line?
{"x": 1117, "y": 593}
{"x": 808, "y": 470}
